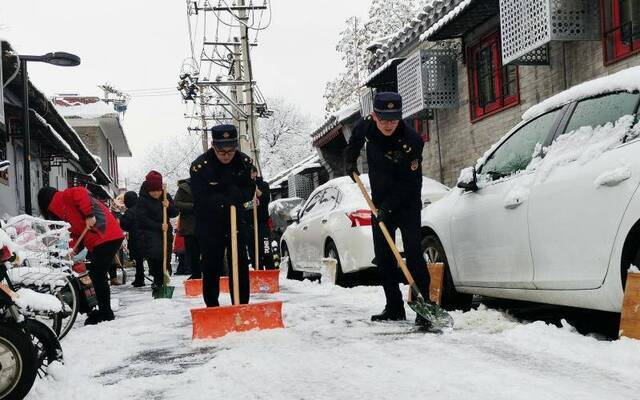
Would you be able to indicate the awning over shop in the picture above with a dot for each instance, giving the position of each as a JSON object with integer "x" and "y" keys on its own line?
{"x": 463, "y": 16}
{"x": 384, "y": 74}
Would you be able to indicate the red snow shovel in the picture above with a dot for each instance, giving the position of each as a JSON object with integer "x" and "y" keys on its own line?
{"x": 214, "y": 322}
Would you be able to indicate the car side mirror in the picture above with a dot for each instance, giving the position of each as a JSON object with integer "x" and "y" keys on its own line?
{"x": 468, "y": 180}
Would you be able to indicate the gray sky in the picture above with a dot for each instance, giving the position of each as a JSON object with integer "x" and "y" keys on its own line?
{"x": 136, "y": 44}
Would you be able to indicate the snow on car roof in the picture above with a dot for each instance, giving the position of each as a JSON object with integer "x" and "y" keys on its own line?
{"x": 627, "y": 80}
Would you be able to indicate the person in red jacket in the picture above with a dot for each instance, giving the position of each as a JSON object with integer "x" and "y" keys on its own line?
{"x": 103, "y": 239}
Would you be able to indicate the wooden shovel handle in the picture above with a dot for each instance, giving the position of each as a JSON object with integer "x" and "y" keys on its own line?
{"x": 256, "y": 264}
{"x": 234, "y": 256}
{"x": 387, "y": 235}
{"x": 164, "y": 232}
{"x": 84, "y": 232}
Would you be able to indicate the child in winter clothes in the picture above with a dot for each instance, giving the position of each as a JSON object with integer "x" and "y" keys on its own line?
{"x": 150, "y": 225}
{"x": 103, "y": 239}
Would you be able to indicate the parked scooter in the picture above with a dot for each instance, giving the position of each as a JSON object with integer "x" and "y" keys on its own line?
{"x": 27, "y": 346}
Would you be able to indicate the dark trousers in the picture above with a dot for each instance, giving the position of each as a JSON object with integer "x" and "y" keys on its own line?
{"x": 408, "y": 221}
{"x": 264, "y": 247}
{"x": 192, "y": 249}
{"x": 139, "y": 268}
{"x": 212, "y": 264}
{"x": 155, "y": 270}
{"x": 101, "y": 260}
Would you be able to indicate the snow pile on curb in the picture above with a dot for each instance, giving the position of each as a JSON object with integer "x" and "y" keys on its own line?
{"x": 33, "y": 301}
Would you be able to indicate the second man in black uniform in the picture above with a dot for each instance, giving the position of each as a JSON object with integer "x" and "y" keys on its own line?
{"x": 394, "y": 156}
{"x": 221, "y": 177}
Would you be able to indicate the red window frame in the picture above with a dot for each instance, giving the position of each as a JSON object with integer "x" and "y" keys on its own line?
{"x": 501, "y": 101}
{"x": 619, "y": 49}
{"x": 422, "y": 127}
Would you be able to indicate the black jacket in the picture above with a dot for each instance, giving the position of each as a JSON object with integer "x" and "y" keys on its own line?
{"x": 395, "y": 164}
{"x": 184, "y": 204}
{"x": 215, "y": 186}
{"x": 263, "y": 207}
{"x": 128, "y": 224}
{"x": 149, "y": 224}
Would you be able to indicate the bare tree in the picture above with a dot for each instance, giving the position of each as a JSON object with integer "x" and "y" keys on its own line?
{"x": 385, "y": 19}
{"x": 284, "y": 138}
{"x": 171, "y": 157}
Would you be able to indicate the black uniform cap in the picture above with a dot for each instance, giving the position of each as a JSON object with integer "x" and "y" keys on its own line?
{"x": 224, "y": 136}
{"x": 388, "y": 106}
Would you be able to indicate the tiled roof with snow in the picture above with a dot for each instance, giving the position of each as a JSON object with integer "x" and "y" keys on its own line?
{"x": 335, "y": 119}
{"x": 414, "y": 30}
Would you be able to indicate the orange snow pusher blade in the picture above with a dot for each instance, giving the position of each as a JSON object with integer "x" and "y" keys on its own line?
{"x": 264, "y": 281}
{"x": 193, "y": 287}
{"x": 215, "y": 322}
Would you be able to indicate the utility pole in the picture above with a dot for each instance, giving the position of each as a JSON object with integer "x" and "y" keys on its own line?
{"x": 247, "y": 75}
{"x": 234, "y": 88}
{"x": 203, "y": 123}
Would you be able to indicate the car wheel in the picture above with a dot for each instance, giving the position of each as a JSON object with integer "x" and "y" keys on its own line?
{"x": 332, "y": 252}
{"x": 17, "y": 363}
{"x": 285, "y": 260}
{"x": 451, "y": 299}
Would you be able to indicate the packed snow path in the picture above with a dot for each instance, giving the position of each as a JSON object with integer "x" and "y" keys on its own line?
{"x": 330, "y": 350}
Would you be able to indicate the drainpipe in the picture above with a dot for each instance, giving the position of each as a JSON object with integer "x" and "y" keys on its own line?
{"x": 435, "y": 118}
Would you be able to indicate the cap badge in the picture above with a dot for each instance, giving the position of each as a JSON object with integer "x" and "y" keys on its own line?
{"x": 391, "y": 106}
{"x": 226, "y": 135}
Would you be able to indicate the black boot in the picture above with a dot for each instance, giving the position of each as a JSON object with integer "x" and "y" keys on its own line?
{"x": 138, "y": 282}
{"x": 390, "y": 314}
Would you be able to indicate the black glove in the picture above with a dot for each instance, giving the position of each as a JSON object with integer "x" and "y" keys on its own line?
{"x": 383, "y": 213}
{"x": 351, "y": 168}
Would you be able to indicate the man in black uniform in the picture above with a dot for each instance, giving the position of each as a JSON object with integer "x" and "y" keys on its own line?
{"x": 394, "y": 156}
{"x": 263, "y": 194}
{"x": 221, "y": 177}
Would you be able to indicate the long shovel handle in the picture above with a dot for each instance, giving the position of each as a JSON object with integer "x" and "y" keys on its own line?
{"x": 82, "y": 235}
{"x": 234, "y": 256}
{"x": 256, "y": 264}
{"x": 387, "y": 236}
{"x": 164, "y": 234}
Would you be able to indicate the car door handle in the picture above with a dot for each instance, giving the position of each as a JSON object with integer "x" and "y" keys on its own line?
{"x": 304, "y": 228}
{"x": 324, "y": 221}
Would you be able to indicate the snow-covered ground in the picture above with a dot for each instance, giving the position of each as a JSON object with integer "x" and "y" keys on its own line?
{"x": 330, "y": 350}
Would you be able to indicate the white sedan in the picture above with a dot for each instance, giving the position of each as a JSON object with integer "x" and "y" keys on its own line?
{"x": 335, "y": 223}
{"x": 551, "y": 214}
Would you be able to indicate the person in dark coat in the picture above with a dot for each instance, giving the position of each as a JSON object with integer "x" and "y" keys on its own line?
{"x": 103, "y": 239}
{"x": 184, "y": 203}
{"x": 129, "y": 224}
{"x": 394, "y": 156}
{"x": 220, "y": 178}
{"x": 150, "y": 224}
{"x": 263, "y": 197}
